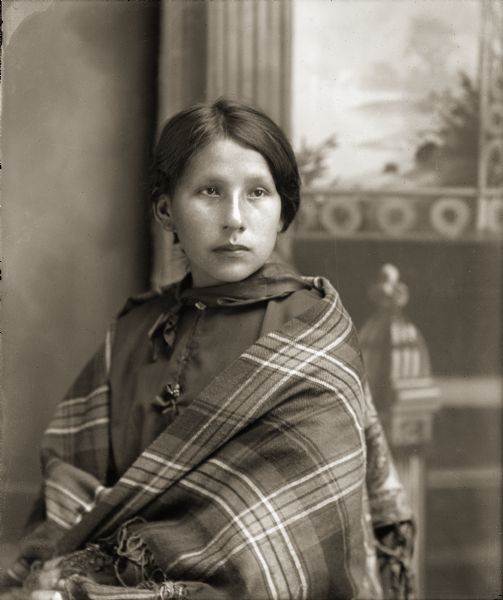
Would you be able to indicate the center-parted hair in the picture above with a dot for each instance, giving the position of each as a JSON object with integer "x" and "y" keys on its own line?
{"x": 192, "y": 129}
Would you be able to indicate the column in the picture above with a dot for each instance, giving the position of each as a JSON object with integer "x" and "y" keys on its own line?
{"x": 249, "y": 54}
{"x": 182, "y": 82}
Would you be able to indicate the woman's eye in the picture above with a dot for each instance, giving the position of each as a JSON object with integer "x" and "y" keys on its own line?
{"x": 210, "y": 191}
{"x": 258, "y": 193}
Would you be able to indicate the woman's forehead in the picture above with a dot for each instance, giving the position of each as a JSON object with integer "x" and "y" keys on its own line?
{"x": 225, "y": 158}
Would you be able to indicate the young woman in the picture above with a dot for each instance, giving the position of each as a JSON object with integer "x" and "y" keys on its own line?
{"x": 220, "y": 444}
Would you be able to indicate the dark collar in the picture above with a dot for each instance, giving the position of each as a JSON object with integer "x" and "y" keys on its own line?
{"x": 273, "y": 280}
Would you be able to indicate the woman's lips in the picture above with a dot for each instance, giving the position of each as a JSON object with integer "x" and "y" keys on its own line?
{"x": 231, "y": 249}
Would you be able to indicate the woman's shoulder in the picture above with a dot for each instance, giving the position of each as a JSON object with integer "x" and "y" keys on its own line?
{"x": 282, "y": 309}
{"x": 320, "y": 300}
{"x": 301, "y": 300}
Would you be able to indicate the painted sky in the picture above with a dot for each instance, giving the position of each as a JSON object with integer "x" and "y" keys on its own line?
{"x": 362, "y": 69}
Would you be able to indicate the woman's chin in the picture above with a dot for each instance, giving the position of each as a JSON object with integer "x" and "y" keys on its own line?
{"x": 225, "y": 274}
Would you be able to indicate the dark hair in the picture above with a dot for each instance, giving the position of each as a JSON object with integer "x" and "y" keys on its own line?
{"x": 190, "y": 130}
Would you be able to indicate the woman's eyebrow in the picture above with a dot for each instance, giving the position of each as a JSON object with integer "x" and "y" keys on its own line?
{"x": 217, "y": 178}
{"x": 209, "y": 177}
{"x": 259, "y": 178}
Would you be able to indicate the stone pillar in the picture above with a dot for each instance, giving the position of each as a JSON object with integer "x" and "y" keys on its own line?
{"x": 182, "y": 82}
{"x": 249, "y": 54}
{"x": 182, "y": 56}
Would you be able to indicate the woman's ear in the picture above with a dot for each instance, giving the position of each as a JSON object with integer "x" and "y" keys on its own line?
{"x": 162, "y": 212}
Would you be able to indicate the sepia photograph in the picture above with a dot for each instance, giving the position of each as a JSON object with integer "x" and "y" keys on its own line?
{"x": 251, "y": 335}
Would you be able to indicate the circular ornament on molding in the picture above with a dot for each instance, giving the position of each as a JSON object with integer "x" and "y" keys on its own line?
{"x": 450, "y": 216}
{"x": 495, "y": 215}
{"x": 308, "y": 214}
{"x": 395, "y": 216}
{"x": 341, "y": 215}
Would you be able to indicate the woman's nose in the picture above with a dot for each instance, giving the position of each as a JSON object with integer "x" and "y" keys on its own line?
{"x": 233, "y": 216}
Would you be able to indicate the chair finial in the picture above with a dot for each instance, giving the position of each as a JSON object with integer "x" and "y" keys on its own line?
{"x": 388, "y": 291}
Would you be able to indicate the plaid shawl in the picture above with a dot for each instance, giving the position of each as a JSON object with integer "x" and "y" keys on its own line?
{"x": 258, "y": 490}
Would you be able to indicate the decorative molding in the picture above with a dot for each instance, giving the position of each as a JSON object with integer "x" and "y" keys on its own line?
{"x": 429, "y": 213}
{"x": 394, "y": 216}
{"x": 450, "y": 216}
{"x": 340, "y": 216}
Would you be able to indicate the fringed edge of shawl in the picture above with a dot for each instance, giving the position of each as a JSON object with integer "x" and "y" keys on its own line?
{"x": 78, "y": 587}
{"x": 395, "y": 546}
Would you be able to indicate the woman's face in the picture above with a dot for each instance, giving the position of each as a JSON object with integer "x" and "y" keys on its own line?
{"x": 226, "y": 212}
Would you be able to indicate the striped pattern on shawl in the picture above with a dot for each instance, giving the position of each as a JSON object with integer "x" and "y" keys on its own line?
{"x": 256, "y": 491}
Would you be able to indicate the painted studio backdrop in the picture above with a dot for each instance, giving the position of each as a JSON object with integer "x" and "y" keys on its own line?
{"x": 395, "y": 110}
